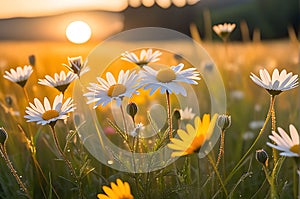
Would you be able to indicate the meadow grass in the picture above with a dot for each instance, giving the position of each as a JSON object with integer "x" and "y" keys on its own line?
{"x": 189, "y": 177}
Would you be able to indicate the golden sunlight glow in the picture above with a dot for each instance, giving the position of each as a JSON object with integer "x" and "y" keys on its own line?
{"x": 78, "y": 32}
{"x": 34, "y": 8}
{"x": 179, "y": 3}
{"x": 148, "y": 3}
{"x": 135, "y": 3}
{"x": 164, "y": 3}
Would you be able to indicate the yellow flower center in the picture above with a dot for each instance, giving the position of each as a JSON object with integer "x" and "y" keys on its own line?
{"x": 195, "y": 145}
{"x": 116, "y": 90}
{"x": 165, "y": 75}
{"x": 50, "y": 114}
{"x": 295, "y": 149}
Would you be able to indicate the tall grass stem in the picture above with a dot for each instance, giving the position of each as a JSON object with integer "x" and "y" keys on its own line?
{"x": 238, "y": 165}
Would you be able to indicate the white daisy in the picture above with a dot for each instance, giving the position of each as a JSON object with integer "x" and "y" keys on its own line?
{"x": 224, "y": 30}
{"x": 109, "y": 90}
{"x": 60, "y": 81}
{"x": 186, "y": 114}
{"x": 20, "y": 75}
{"x": 288, "y": 145}
{"x": 44, "y": 114}
{"x": 145, "y": 57}
{"x": 278, "y": 83}
{"x": 168, "y": 79}
{"x": 77, "y": 66}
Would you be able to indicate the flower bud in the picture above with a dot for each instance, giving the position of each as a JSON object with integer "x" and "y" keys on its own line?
{"x": 3, "y": 136}
{"x": 176, "y": 114}
{"x": 9, "y": 101}
{"x": 262, "y": 157}
{"x": 224, "y": 121}
{"x": 31, "y": 59}
{"x": 132, "y": 109}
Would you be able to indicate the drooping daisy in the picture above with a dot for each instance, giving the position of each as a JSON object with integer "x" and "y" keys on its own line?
{"x": 77, "y": 66}
{"x": 121, "y": 190}
{"x": 277, "y": 83}
{"x": 60, "y": 81}
{"x": 288, "y": 145}
{"x": 168, "y": 79}
{"x": 45, "y": 114}
{"x": 192, "y": 139}
{"x": 224, "y": 30}
{"x": 186, "y": 114}
{"x": 110, "y": 89}
{"x": 20, "y": 75}
{"x": 145, "y": 57}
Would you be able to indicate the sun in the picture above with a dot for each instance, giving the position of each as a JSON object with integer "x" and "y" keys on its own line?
{"x": 78, "y": 32}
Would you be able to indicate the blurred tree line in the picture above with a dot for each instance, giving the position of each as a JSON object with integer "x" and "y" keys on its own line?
{"x": 271, "y": 18}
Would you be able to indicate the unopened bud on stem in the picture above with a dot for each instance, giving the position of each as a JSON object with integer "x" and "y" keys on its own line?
{"x": 224, "y": 121}
{"x": 262, "y": 157}
{"x": 132, "y": 109}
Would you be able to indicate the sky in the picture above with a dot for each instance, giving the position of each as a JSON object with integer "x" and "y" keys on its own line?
{"x": 45, "y": 20}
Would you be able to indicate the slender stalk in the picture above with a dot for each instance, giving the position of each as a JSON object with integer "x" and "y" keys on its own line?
{"x": 33, "y": 149}
{"x": 296, "y": 185}
{"x": 72, "y": 171}
{"x": 271, "y": 181}
{"x": 211, "y": 161}
{"x": 13, "y": 171}
{"x": 124, "y": 121}
{"x": 273, "y": 119}
{"x": 35, "y": 161}
{"x": 238, "y": 165}
{"x": 267, "y": 174}
{"x": 135, "y": 138}
{"x": 26, "y": 94}
{"x": 188, "y": 169}
{"x": 132, "y": 149}
{"x": 68, "y": 163}
{"x": 221, "y": 150}
{"x": 31, "y": 146}
{"x": 169, "y": 115}
{"x": 198, "y": 179}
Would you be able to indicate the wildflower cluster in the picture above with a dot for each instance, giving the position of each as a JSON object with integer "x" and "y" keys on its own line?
{"x": 179, "y": 133}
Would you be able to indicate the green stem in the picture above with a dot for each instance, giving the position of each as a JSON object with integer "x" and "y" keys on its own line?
{"x": 124, "y": 121}
{"x": 132, "y": 149}
{"x": 271, "y": 181}
{"x": 169, "y": 115}
{"x": 295, "y": 182}
{"x": 198, "y": 179}
{"x": 238, "y": 165}
{"x": 217, "y": 173}
{"x": 72, "y": 171}
{"x": 273, "y": 119}
{"x": 188, "y": 169}
{"x": 68, "y": 163}
{"x": 267, "y": 174}
{"x": 32, "y": 144}
{"x": 26, "y": 94}
{"x": 221, "y": 150}
{"x": 13, "y": 171}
